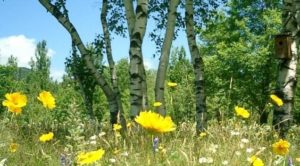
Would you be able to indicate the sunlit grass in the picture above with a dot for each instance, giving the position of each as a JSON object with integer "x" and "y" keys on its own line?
{"x": 230, "y": 142}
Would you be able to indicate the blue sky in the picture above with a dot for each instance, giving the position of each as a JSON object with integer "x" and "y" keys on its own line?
{"x": 23, "y": 23}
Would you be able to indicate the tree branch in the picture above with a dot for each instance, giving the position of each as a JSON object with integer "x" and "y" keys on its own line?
{"x": 130, "y": 15}
{"x": 65, "y": 22}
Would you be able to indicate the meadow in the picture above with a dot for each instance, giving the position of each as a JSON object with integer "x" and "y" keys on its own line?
{"x": 233, "y": 141}
{"x": 229, "y": 75}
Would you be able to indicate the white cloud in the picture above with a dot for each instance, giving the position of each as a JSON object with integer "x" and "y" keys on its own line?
{"x": 51, "y": 52}
{"x": 150, "y": 63}
{"x": 57, "y": 74}
{"x": 21, "y": 47}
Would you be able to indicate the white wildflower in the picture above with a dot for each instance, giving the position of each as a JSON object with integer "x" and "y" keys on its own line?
{"x": 234, "y": 133}
{"x": 102, "y": 134}
{"x": 242, "y": 145}
{"x": 93, "y": 142}
{"x": 262, "y": 148}
{"x": 202, "y": 160}
{"x": 93, "y": 137}
{"x": 208, "y": 160}
{"x": 249, "y": 159}
{"x": 249, "y": 150}
{"x": 213, "y": 148}
{"x": 124, "y": 154}
{"x": 2, "y": 162}
{"x": 112, "y": 160}
{"x": 238, "y": 153}
{"x": 225, "y": 162}
{"x": 245, "y": 140}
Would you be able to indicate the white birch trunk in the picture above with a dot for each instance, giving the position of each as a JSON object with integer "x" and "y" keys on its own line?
{"x": 286, "y": 80}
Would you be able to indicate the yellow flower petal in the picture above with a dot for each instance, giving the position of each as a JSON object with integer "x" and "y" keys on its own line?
{"x": 240, "y": 111}
{"x": 117, "y": 127}
{"x": 202, "y": 134}
{"x": 129, "y": 124}
{"x": 157, "y": 104}
{"x": 276, "y": 100}
{"x": 90, "y": 157}
{"x": 154, "y": 122}
{"x": 46, "y": 137}
{"x": 281, "y": 147}
{"x": 255, "y": 161}
{"x": 14, "y": 102}
{"x": 172, "y": 84}
{"x": 13, "y": 147}
{"x": 47, "y": 99}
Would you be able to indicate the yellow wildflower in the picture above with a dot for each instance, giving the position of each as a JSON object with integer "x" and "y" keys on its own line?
{"x": 154, "y": 122}
{"x": 276, "y": 100}
{"x": 157, "y": 104}
{"x": 117, "y": 127}
{"x": 162, "y": 150}
{"x": 298, "y": 159}
{"x": 255, "y": 161}
{"x": 172, "y": 84}
{"x": 281, "y": 147}
{"x": 13, "y": 147}
{"x": 47, "y": 99}
{"x": 202, "y": 134}
{"x": 46, "y": 137}
{"x": 89, "y": 157}
{"x": 129, "y": 124}
{"x": 116, "y": 151}
{"x": 240, "y": 111}
{"x": 14, "y": 102}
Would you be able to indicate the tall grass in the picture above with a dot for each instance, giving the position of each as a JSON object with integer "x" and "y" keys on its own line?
{"x": 229, "y": 142}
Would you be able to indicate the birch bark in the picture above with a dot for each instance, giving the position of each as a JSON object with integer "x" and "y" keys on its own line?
{"x": 137, "y": 23}
{"x": 164, "y": 57}
{"x": 65, "y": 22}
{"x": 112, "y": 64}
{"x": 198, "y": 66}
{"x": 286, "y": 79}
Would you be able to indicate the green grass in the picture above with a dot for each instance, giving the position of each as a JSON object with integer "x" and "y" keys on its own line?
{"x": 232, "y": 141}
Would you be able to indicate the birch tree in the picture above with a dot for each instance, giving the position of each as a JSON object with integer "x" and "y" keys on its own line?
{"x": 111, "y": 62}
{"x": 59, "y": 11}
{"x": 136, "y": 16}
{"x": 198, "y": 66}
{"x": 286, "y": 79}
{"x": 165, "y": 54}
{"x": 137, "y": 22}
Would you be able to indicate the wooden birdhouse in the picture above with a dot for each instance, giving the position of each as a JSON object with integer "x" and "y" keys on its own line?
{"x": 283, "y": 44}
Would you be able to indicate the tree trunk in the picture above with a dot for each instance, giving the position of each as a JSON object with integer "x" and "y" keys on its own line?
{"x": 198, "y": 66}
{"x": 65, "y": 22}
{"x": 131, "y": 18}
{"x": 112, "y": 65}
{"x": 138, "y": 88}
{"x": 286, "y": 80}
{"x": 164, "y": 58}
